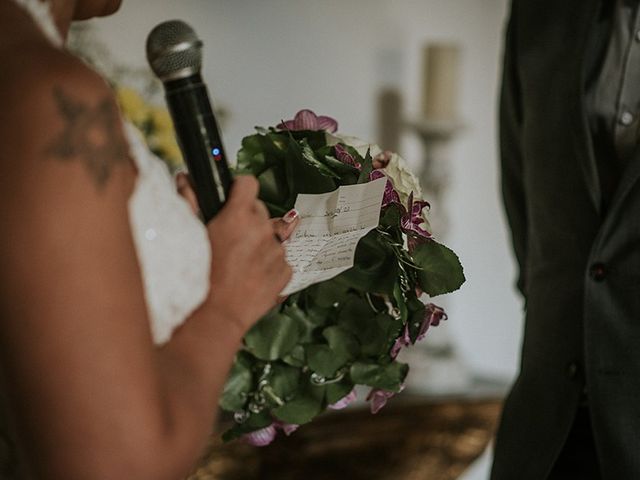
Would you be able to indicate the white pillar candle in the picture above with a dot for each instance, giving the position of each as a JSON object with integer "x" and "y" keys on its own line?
{"x": 440, "y": 63}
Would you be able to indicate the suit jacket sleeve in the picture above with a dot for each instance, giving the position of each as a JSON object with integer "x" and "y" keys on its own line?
{"x": 511, "y": 155}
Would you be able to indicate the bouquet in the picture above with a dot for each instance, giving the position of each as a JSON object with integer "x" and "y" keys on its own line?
{"x": 308, "y": 354}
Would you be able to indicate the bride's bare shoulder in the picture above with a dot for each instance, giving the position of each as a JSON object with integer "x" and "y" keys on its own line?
{"x": 34, "y": 78}
{"x": 57, "y": 114}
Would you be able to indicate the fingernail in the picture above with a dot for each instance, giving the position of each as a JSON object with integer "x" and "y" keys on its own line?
{"x": 290, "y": 216}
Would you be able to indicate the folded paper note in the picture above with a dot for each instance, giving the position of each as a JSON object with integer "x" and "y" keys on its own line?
{"x": 331, "y": 224}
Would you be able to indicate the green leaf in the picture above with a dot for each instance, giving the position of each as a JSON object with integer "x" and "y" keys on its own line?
{"x": 238, "y": 384}
{"x": 337, "y": 391}
{"x": 367, "y": 168}
{"x": 348, "y": 174}
{"x": 296, "y": 357}
{"x": 284, "y": 380}
{"x": 375, "y": 266}
{"x": 416, "y": 316}
{"x": 317, "y": 139}
{"x": 302, "y": 409}
{"x": 387, "y": 377}
{"x": 307, "y": 324}
{"x": 356, "y": 315}
{"x": 309, "y": 156}
{"x": 327, "y": 294}
{"x": 273, "y": 337}
{"x": 250, "y": 158}
{"x": 391, "y": 216}
{"x": 377, "y": 340}
{"x": 399, "y": 297}
{"x": 441, "y": 271}
{"x": 342, "y": 342}
{"x": 375, "y": 332}
{"x": 273, "y": 187}
{"x": 323, "y": 360}
{"x": 326, "y": 360}
{"x": 303, "y": 177}
{"x": 253, "y": 423}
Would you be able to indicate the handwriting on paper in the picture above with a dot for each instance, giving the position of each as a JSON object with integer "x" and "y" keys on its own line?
{"x": 331, "y": 224}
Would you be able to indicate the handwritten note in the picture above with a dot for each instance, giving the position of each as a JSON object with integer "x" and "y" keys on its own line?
{"x": 331, "y": 224}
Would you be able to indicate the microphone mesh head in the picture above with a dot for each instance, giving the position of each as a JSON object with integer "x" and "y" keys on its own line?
{"x": 174, "y": 50}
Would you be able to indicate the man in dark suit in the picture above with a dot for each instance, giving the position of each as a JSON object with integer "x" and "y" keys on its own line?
{"x": 570, "y": 117}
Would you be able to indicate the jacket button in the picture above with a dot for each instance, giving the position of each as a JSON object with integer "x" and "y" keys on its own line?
{"x": 572, "y": 370}
{"x": 598, "y": 272}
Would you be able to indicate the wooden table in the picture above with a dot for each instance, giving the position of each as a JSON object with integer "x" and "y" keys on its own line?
{"x": 411, "y": 438}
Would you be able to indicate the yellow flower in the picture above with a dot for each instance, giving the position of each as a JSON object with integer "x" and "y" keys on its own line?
{"x": 133, "y": 106}
{"x": 167, "y": 148}
{"x": 161, "y": 119}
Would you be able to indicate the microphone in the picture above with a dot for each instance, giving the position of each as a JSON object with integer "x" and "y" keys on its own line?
{"x": 174, "y": 53}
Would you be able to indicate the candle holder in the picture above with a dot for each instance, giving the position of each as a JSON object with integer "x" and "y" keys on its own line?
{"x": 437, "y": 370}
{"x": 433, "y": 172}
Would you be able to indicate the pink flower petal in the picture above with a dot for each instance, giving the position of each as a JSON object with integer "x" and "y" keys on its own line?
{"x": 378, "y": 399}
{"x": 288, "y": 428}
{"x": 344, "y": 401}
{"x": 262, "y": 437}
{"x": 305, "y": 120}
{"x": 390, "y": 194}
{"x": 413, "y": 218}
{"x": 327, "y": 123}
{"x": 345, "y": 157}
{"x": 412, "y": 227}
{"x": 433, "y": 315}
{"x": 382, "y": 159}
{"x": 418, "y": 206}
{"x": 403, "y": 340}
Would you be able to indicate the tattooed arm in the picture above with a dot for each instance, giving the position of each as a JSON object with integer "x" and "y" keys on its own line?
{"x": 91, "y": 395}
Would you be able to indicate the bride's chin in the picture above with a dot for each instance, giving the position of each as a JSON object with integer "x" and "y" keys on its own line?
{"x": 86, "y": 9}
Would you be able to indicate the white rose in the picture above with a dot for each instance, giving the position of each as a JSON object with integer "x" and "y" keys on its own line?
{"x": 403, "y": 179}
{"x": 360, "y": 145}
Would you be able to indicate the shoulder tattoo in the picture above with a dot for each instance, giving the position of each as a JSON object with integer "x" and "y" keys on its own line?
{"x": 90, "y": 135}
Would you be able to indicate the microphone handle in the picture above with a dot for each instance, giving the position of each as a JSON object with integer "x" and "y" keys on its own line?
{"x": 200, "y": 142}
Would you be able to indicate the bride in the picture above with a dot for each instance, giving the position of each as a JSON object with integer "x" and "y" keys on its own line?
{"x": 120, "y": 313}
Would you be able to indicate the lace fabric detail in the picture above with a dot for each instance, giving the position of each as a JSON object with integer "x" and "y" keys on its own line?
{"x": 172, "y": 244}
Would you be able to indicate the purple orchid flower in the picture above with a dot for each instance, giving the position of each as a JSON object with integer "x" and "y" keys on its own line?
{"x": 262, "y": 437}
{"x": 390, "y": 194}
{"x": 412, "y": 219}
{"x": 307, "y": 120}
{"x": 344, "y": 401}
{"x": 344, "y": 156}
{"x": 433, "y": 315}
{"x": 287, "y": 428}
{"x": 379, "y": 397}
{"x": 404, "y": 340}
{"x": 266, "y": 435}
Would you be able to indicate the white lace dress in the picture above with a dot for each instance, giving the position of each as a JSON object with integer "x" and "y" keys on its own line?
{"x": 171, "y": 242}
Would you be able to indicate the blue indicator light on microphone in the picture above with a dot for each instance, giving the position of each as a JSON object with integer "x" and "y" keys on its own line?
{"x": 215, "y": 151}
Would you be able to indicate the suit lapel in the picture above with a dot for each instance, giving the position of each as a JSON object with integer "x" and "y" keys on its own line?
{"x": 581, "y": 136}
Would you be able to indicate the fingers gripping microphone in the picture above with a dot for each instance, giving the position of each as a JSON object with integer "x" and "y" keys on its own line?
{"x": 174, "y": 53}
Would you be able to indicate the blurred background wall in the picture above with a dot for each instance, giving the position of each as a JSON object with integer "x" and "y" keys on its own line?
{"x": 266, "y": 59}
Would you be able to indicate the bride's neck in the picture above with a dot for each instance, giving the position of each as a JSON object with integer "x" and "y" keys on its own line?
{"x": 62, "y": 11}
